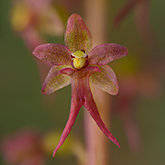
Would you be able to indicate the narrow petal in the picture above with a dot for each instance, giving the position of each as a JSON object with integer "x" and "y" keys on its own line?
{"x": 92, "y": 109}
{"x": 106, "y": 80}
{"x": 77, "y": 35}
{"x": 55, "y": 80}
{"x": 54, "y": 54}
{"x": 76, "y": 103}
{"x": 75, "y": 108}
{"x": 105, "y": 53}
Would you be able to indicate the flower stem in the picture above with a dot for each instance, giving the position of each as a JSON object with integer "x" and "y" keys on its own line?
{"x": 96, "y": 142}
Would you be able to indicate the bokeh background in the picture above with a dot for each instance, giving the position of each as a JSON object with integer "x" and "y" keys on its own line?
{"x": 22, "y": 106}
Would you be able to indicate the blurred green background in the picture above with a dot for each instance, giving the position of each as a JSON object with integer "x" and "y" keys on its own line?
{"x": 23, "y": 106}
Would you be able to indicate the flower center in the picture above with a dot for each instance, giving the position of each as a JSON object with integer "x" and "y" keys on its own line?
{"x": 79, "y": 59}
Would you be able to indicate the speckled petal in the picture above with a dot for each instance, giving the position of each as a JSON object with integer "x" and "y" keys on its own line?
{"x": 105, "y": 79}
{"x": 55, "y": 80}
{"x": 75, "y": 108}
{"x": 105, "y": 53}
{"x": 77, "y": 35}
{"x": 54, "y": 54}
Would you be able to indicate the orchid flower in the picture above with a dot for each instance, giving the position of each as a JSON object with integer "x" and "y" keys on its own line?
{"x": 78, "y": 65}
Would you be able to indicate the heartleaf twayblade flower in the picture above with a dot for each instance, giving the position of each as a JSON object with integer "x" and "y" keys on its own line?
{"x": 75, "y": 63}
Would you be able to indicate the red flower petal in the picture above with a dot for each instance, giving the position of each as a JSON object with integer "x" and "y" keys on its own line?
{"x": 55, "y": 80}
{"x": 105, "y": 53}
{"x": 75, "y": 108}
{"x": 55, "y": 54}
{"x": 105, "y": 80}
{"x": 92, "y": 109}
{"x": 77, "y": 35}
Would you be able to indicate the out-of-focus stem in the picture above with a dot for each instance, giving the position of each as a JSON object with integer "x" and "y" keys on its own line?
{"x": 97, "y": 146}
{"x": 32, "y": 39}
{"x": 95, "y": 13}
{"x": 96, "y": 142}
{"x": 142, "y": 20}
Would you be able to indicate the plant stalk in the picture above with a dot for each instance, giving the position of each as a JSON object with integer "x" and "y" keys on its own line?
{"x": 96, "y": 142}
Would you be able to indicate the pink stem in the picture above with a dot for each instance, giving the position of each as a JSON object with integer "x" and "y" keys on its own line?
{"x": 142, "y": 20}
{"x": 96, "y": 142}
